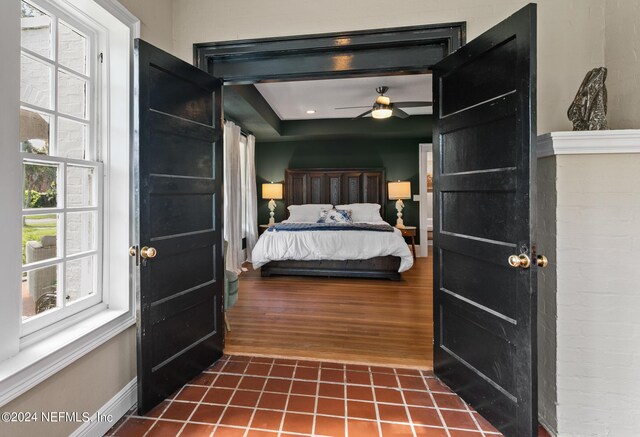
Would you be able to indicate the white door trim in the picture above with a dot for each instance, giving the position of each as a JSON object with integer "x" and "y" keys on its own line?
{"x": 426, "y": 221}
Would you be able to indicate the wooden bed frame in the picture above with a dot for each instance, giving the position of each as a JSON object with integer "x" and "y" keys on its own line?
{"x": 337, "y": 187}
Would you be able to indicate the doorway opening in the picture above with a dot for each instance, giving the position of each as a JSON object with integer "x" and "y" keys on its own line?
{"x": 485, "y": 112}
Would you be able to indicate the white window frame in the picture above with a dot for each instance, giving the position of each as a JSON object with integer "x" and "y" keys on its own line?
{"x": 93, "y": 159}
{"x": 27, "y": 361}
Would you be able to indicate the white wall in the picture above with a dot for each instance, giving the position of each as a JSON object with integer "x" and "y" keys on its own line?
{"x": 156, "y": 21}
{"x": 622, "y": 58}
{"x": 83, "y": 386}
{"x": 589, "y": 295}
{"x": 570, "y": 32}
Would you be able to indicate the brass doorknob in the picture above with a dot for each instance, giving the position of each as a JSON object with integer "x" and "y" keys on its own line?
{"x": 133, "y": 251}
{"x": 521, "y": 260}
{"x": 542, "y": 261}
{"x": 148, "y": 252}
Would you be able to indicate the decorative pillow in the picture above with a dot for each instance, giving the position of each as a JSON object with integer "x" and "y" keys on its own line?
{"x": 335, "y": 216}
{"x": 306, "y": 213}
{"x": 363, "y": 212}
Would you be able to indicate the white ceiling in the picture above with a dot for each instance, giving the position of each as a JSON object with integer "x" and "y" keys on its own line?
{"x": 291, "y": 100}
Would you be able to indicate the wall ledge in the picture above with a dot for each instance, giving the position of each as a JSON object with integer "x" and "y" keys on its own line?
{"x": 588, "y": 142}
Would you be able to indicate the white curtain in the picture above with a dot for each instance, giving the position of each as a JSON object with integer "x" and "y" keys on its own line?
{"x": 251, "y": 197}
{"x": 232, "y": 197}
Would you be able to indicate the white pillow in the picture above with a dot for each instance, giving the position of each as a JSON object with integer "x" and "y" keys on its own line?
{"x": 306, "y": 213}
{"x": 363, "y": 212}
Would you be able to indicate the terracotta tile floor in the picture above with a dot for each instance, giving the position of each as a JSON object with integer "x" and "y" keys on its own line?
{"x": 252, "y": 396}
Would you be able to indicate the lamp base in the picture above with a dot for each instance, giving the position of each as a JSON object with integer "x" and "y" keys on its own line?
{"x": 399, "y": 207}
{"x": 272, "y": 208}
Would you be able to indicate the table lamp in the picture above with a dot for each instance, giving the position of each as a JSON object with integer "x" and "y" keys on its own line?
{"x": 272, "y": 192}
{"x": 398, "y": 191}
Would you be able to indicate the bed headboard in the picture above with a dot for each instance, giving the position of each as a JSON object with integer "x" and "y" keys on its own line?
{"x": 336, "y": 186}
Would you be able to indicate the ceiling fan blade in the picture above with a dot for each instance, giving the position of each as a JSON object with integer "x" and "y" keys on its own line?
{"x": 353, "y": 107}
{"x": 363, "y": 114}
{"x": 397, "y": 112}
{"x": 412, "y": 104}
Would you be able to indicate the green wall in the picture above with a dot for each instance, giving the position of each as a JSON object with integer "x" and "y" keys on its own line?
{"x": 399, "y": 157}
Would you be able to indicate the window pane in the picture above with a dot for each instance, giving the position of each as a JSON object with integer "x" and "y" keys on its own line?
{"x": 72, "y": 95}
{"x": 80, "y": 186}
{"x": 40, "y": 186}
{"x": 39, "y": 237}
{"x": 72, "y": 139}
{"x": 72, "y": 48}
{"x": 36, "y": 30}
{"x": 80, "y": 232}
{"x": 40, "y": 290}
{"x": 35, "y": 82}
{"x": 80, "y": 278}
{"x": 35, "y": 131}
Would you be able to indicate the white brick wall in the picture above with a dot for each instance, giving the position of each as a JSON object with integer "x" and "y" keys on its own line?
{"x": 71, "y": 137}
{"x": 597, "y": 286}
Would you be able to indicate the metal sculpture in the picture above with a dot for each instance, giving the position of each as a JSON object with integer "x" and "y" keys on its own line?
{"x": 589, "y": 108}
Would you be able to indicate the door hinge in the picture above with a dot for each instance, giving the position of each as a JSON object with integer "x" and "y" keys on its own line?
{"x": 101, "y": 58}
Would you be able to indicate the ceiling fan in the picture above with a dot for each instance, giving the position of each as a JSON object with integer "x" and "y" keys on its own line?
{"x": 383, "y": 108}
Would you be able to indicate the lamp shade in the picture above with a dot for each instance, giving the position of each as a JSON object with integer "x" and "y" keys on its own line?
{"x": 272, "y": 191}
{"x": 399, "y": 190}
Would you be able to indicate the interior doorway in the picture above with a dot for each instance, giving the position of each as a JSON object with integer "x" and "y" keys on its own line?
{"x": 490, "y": 81}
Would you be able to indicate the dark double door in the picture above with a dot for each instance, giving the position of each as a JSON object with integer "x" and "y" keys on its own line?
{"x": 484, "y": 307}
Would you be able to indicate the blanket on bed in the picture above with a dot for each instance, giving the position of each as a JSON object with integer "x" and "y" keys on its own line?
{"x": 296, "y": 227}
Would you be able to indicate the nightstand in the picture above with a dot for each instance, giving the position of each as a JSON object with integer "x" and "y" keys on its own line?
{"x": 410, "y": 231}
{"x": 262, "y": 228}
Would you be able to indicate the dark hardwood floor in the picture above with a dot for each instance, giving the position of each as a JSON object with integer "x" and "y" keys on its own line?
{"x": 344, "y": 320}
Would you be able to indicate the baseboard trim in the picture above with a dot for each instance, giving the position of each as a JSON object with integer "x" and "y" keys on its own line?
{"x": 116, "y": 408}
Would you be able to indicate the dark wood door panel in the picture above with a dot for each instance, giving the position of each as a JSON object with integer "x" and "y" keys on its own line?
{"x": 474, "y": 81}
{"x": 178, "y": 129}
{"x": 468, "y": 277}
{"x": 484, "y": 309}
{"x": 182, "y": 96}
{"x": 181, "y": 148}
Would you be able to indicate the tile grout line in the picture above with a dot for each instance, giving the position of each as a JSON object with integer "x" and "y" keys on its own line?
{"x": 346, "y": 403}
{"x": 474, "y": 419}
{"x": 375, "y": 403}
{"x": 264, "y": 384}
{"x": 224, "y": 410}
{"x": 157, "y": 419}
{"x": 406, "y": 405}
{"x": 286, "y": 405}
{"x": 435, "y": 404}
{"x": 197, "y": 403}
{"x": 317, "y": 397}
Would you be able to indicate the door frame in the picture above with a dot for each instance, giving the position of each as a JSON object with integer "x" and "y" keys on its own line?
{"x": 405, "y": 50}
{"x": 426, "y": 214}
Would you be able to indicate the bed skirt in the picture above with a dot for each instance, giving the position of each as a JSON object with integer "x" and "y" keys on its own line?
{"x": 381, "y": 267}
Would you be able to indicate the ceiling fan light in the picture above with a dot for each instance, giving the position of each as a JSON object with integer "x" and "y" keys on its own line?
{"x": 383, "y": 100}
{"x": 381, "y": 113}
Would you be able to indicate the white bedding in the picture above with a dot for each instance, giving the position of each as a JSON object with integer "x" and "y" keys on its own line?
{"x": 331, "y": 245}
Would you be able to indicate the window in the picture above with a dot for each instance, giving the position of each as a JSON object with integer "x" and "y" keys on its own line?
{"x": 64, "y": 178}
{"x": 62, "y": 210}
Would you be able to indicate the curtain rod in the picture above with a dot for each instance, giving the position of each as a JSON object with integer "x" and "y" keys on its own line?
{"x": 243, "y": 131}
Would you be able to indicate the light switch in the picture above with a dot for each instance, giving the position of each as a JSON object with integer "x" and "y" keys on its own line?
{"x": 416, "y": 198}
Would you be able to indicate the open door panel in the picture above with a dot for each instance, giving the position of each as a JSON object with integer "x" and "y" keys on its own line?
{"x": 178, "y": 149}
{"x": 485, "y": 301}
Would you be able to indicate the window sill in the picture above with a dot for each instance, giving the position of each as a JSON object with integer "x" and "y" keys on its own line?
{"x": 42, "y": 359}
